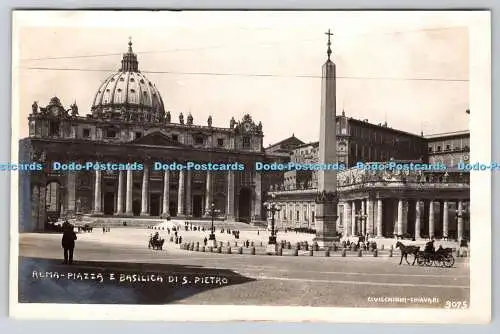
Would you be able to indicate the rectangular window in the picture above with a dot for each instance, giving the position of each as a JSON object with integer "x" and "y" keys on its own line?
{"x": 430, "y": 149}
{"x": 110, "y": 133}
{"x": 138, "y": 135}
{"x": 86, "y": 133}
{"x": 54, "y": 129}
{"x": 175, "y": 137}
{"x": 447, "y": 147}
{"x": 313, "y": 217}
{"x": 298, "y": 213}
{"x": 246, "y": 142}
{"x": 199, "y": 140}
{"x": 220, "y": 142}
{"x": 438, "y": 149}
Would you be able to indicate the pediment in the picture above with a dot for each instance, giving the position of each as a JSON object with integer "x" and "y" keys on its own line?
{"x": 156, "y": 139}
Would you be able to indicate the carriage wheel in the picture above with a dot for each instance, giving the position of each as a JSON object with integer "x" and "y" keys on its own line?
{"x": 428, "y": 261}
{"x": 448, "y": 261}
{"x": 420, "y": 260}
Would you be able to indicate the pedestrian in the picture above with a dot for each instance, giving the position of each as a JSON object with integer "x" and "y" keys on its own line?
{"x": 180, "y": 239}
{"x": 68, "y": 242}
{"x": 205, "y": 241}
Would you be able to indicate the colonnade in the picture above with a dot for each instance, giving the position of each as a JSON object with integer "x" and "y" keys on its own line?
{"x": 368, "y": 217}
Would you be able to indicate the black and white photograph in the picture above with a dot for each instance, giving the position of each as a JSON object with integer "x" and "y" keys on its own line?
{"x": 264, "y": 165}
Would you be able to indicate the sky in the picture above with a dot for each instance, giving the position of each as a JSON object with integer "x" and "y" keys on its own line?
{"x": 410, "y": 69}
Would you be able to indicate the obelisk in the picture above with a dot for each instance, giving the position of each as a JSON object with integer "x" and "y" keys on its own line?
{"x": 326, "y": 199}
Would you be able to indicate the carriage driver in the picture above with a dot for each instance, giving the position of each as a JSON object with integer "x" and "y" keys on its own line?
{"x": 156, "y": 237}
{"x": 429, "y": 247}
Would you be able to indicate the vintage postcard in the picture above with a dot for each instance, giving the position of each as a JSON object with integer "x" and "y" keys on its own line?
{"x": 285, "y": 166}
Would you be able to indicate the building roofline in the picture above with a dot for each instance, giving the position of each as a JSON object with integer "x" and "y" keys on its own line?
{"x": 447, "y": 134}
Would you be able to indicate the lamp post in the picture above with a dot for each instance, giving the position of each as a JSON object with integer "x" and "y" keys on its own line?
{"x": 212, "y": 212}
{"x": 273, "y": 208}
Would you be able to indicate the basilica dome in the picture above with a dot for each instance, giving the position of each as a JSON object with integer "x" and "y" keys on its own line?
{"x": 128, "y": 94}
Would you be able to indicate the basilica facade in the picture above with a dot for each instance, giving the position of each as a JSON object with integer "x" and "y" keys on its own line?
{"x": 129, "y": 126}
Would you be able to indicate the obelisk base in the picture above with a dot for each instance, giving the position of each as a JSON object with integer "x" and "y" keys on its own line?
{"x": 326, "y": 219}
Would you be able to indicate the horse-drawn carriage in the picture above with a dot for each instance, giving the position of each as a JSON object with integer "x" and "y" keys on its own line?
{"x": 156, "y": 243}
{"x": 442, "y": 257}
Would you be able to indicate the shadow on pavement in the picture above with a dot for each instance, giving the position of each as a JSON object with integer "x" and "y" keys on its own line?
{"x": 89, "y": 282}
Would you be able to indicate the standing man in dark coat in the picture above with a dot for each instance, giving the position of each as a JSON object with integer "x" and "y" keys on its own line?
{"x": 68, "y": 242}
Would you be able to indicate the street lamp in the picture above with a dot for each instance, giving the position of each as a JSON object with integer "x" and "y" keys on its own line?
{"x": 213, "y": 211}
{"x": 273, "y": 208}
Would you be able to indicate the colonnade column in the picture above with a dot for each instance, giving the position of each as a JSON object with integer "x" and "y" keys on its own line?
{"x": 369, "y": 218}
{"x": 363, "y": 216}
{"x": 347, "y": 219}
{"x": 400, "y": 218}
{"x": 128, "y": 196}
{"x": 189, "y": 205}
{"x": 97, "y": 193}
{"x": 119, "y": 204}
{"x": 165, "y": 212}
{"x": 460, "y": 221}
{"x": 230, "y": 196}
{"x": 145, "y": 192}
{"x": 379, "y": 218}
{"x": 180, "y": 194}
{"x": 208, "y": 193}
{"x": 431, "y": 219}
{"x": 445, "y": 220}
{"x": 418, "y": 218}
{"x": 353, "y": 218}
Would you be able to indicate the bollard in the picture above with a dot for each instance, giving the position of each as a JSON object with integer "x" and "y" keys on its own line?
{"x": 311, "y": 252}
{"x": 252, "y": 250}
{"x": 219, "y": 250}
{"x": 240, "y": 250}
{"x": 375, "y": 253}
{"x": 344, "y": 252}
{"x": 229, "y": 250}
{"x": 295, "y": 252}
{"x": 327, "y": 252}
{"x": 203, "y": 249}
{"x": 360, "y": 253}
{"x": 390, "y": 252}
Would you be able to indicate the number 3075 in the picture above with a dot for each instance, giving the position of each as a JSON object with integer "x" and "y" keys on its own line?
{"x": 456, "y": 304}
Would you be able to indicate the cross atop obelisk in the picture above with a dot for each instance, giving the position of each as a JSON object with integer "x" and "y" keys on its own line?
{"x": 329, "y": 50}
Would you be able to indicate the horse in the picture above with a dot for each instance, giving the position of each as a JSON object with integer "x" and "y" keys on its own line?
{"x": 405, "y": 250}
{"x": 156, "y": 243}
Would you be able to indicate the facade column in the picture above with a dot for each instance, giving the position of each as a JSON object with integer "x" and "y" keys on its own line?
{"x": 208, "y": 193}
{"x": 353, "y": 218}
{"x": 445, "y": 220}
{"x": 180, "y": 195}
{"x": 431, "y": 219}
{"x": 418, "y": 218}
{"x": 119, "y": 204}
{"x": 165, "y": 212}
{"x": 145, "y": 192}
{"x": 379, "y": 218}
{"x": 258, "y": 196}
{"x": 370, "y": 217}
{"x": 230, "y": 196}
{"x": 97, "y": 193}
{"x": 189, "y": 198}
{"x": 400, "y": 218}
{"x": 347, "y": 219}
{"x": 128, "y": 196}
{"x": 362, "y": 221}
{"x": 460, "y": 221}
{"x": 71, "y": 191}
